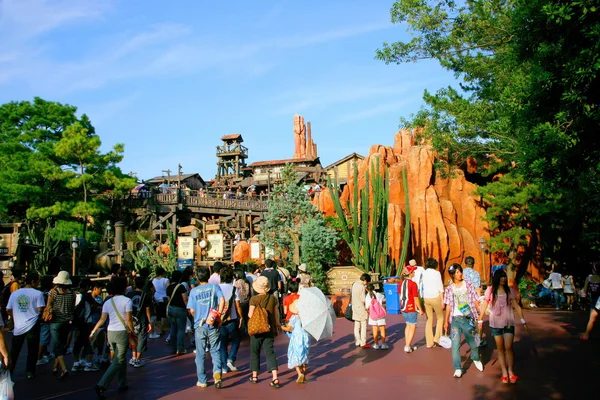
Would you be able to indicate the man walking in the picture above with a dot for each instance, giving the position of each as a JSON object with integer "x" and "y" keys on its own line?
{"x": 206, "y": 303}
{"x": 24, "y": 307}
{"x": 359, "y": 312}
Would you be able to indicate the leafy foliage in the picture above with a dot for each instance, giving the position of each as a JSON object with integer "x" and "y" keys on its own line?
{"x": 526, "y": 107}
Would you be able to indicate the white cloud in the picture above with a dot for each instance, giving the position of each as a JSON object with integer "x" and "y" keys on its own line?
{"x": 165, "y": 49}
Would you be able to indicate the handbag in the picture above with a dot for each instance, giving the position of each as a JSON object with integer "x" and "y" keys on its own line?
{"x": 376, "y": 310}
{"x": 131, "y": 336}
{"x": 47, "y": 313}
{"x": 259, "y": 323}
{"x": 348, "y": 312}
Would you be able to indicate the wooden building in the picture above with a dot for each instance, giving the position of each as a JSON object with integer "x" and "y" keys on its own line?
{"x": 263, "y": 174}
{"x": 232, "y": 159}
{"x": 192, "y": 181}
{"x": 342, "y": 169}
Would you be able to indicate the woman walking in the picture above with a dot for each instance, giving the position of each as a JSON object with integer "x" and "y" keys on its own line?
{"x": 410, "y": 306}
{"x": 570, "y": 289}
{"x": 62, "y": 303}
{"x": 119, "y": 311}
{"x": 264, "y": 340}
{"x": 502, "y": 300}
{"x": 461, "y": 313}
{"x": 177, "y": 312}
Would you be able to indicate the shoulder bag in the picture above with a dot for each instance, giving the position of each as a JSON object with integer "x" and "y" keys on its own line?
{"x": 131, "y": 336}
{"x": 47, "y": 313}
{"x": 259, "y": 323}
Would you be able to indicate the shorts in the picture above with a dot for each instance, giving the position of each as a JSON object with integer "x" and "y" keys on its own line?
{"x": 410, "y": 317}
{"x": 142, "y": 339}
{"x": 503, "y": 331}
{"x": 45, "y": 334}
{"x": 161, "y": 310}
{"x": 377, "y": 322}
{"x": 597, "y": 305}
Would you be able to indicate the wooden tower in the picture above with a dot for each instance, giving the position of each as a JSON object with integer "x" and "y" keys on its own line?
{"x": 232, "y": 158}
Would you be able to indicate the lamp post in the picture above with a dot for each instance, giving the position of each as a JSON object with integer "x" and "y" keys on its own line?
{"x": 484, "y": 269}
{"x": 269, "y": 183}
{"x": 108, "y": 229}
{"x": 74, "y": 245}
{"x": 195, "y": 238}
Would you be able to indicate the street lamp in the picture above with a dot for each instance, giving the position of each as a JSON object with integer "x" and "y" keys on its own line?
{"x": 482, "y": 247}
{"x": 27, "y": 240}
{"x": 74, "y": 245}
{"x": 194, "y": 237}
{"x": 108, "y": 229}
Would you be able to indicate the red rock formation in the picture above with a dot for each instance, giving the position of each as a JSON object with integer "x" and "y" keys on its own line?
{"x": 446, "y": 217}
{"x": 303, "y": 147}
{"x": 241, "y": 252}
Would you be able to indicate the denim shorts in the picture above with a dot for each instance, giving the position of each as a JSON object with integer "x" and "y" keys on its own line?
{"x": 45, "y": 334}
{"x": 502, "y": 331}
{"x": 410, "y": 317}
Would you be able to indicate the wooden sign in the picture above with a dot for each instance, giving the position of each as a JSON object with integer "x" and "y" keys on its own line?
{"x": 342, "y": 278}
{"x": 255, "y": 250}
{"x": 185, "y": 248}
{"x": 215, "y": 248}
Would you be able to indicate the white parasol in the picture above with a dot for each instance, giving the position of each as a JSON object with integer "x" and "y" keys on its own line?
{"x": 316, "y": 313}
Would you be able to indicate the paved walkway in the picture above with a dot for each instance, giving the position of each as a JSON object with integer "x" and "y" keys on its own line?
{"x": 551, "y": 361}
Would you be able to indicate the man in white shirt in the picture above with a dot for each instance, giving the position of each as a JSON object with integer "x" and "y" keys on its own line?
{"x": 25, "y": 306}
{"x": 556, "y": 282}
{"x": 215, "y": 278}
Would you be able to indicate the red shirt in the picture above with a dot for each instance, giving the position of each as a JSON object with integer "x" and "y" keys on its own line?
{"x": 287, "y": 301}
{"x": 407, "y": 300}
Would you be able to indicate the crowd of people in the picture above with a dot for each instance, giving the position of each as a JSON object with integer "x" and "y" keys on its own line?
{"x": 100, "y": 321}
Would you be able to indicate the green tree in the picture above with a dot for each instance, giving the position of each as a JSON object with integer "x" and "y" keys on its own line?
{"x": 295, "y": 228}
{"x": 525, "y": 105}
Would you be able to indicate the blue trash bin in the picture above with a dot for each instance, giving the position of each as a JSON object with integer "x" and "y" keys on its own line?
{"x": 392, "y": 299}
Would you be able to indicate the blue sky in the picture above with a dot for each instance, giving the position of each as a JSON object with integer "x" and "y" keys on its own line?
{"x": 168, "y": 79}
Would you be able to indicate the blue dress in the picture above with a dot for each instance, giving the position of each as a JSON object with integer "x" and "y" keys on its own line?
{"x": 299, "y": 344}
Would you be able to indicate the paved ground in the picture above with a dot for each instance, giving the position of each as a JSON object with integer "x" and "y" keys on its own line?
{"x": 551, "y": 362}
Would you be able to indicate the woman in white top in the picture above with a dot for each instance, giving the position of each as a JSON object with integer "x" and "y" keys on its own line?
{"x": 160, "y": 284}
{"x": 433, "y": 297}
{"x": 570, "y": 289}
{"x": 118, "y": 310}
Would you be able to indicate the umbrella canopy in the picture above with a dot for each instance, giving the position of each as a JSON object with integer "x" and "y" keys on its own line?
{"x": 316, "y": 313}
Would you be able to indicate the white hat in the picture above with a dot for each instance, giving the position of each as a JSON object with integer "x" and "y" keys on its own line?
{"x": 302, "y": 267}
{"x": 62, "y": 279}
{"x": 413, "y": 263}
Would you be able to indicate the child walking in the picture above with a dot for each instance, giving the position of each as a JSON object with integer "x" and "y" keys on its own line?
{"x": 299, "y": 346}
{"x": 374, "y": 306}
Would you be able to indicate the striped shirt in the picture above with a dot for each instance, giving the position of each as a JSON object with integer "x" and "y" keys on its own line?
{"x": 449, "y": 299}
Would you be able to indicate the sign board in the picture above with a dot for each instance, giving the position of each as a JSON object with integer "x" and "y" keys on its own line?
{"x": 215, "y": 247}
{"x": 3, "y": 250}
{"x": 255, "y": 250}
{"x": 183, "y": 264}
{"x": 342, "y": 278}
{"x": 185, "y": 248}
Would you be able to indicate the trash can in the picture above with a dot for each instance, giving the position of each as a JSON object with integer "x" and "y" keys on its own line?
{"x": 392, "y": 299}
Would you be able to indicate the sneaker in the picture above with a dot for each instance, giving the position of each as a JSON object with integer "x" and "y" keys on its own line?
{"x": 384, "y": 346}
{"x": 366, "y": 346}
{"x": 194, "y": 351}
{"x": 91, "y": 367}
{"x": 78, "y": 365}
{"x": 231, "y": 366}
{"x": 139, "y": 363}
{"x": 217, "y": 378}
{"x": 153, "y": 336}
{"x": 458, "y": 373}
{"x": 168, "y": 340}
{"x": 132, "y": 361}
{"x": 202, "y": 385}
{"x": 224, "y": 371}
{"x": 376, "y": 347}
{"x": 478, "y": 365}
{"x": 408, "y": 349}
{"x": 43, "y": 360}
{"x": 70, "y": 351}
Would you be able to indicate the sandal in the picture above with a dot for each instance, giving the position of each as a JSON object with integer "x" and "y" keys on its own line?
{"x": 300, "y": 379}
{"x": 55, "y": 370}
{"x": 504, "y": 379}
{"x": 63, "y": 374}
{"x": 513, "y": 378}
{"x": 253, "y": 379}
{"x": 99, "y": 391}
{"x": 274, "y": 383}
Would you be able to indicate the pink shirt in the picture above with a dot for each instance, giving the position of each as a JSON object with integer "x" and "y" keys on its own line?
{"x": 501, "y": 313}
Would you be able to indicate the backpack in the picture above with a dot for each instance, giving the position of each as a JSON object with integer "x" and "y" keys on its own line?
{"x": 137, "y": 315}
{"x": 259, "y": 323}
{"x": 226, "y": 316}
{"x": 376, "y": 311}
{"x": 82, "y": 313}
{"x": 404, "y": 295}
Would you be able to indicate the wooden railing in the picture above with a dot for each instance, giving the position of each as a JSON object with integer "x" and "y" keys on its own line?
{"x": 197, "y": 201}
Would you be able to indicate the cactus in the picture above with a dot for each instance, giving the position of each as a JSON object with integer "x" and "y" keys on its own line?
{"x": 406, "y": 237}
{"x": 367, "y": 235}
{"x": 151, "y": 258}
{"x": 367, "y": 231}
